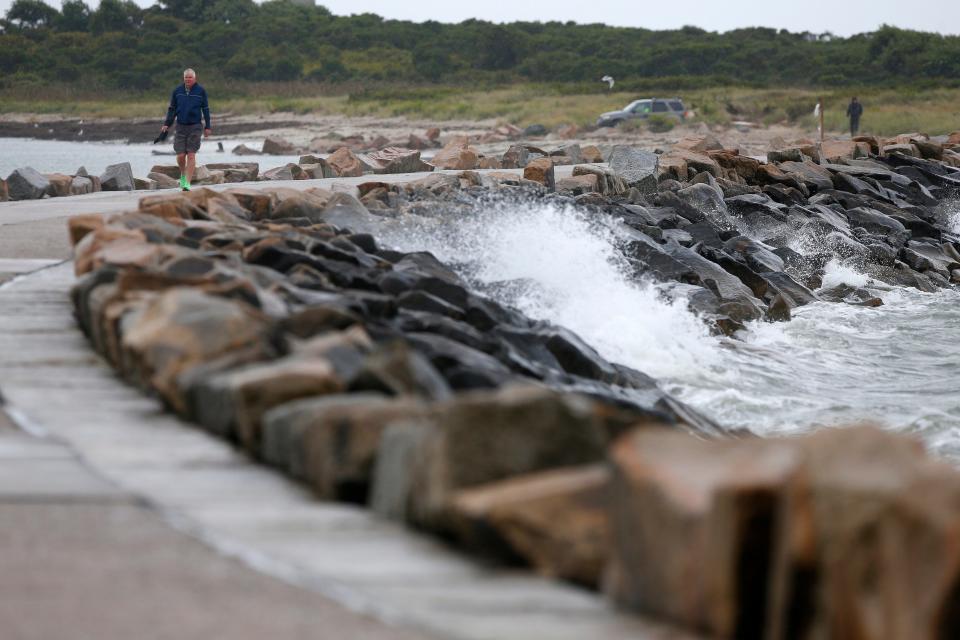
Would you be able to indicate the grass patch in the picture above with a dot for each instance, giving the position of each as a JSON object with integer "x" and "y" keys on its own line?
{"x": 886, "y": 111}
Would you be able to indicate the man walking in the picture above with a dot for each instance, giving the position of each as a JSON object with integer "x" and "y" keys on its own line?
{"x": 188, "y": 105}
{"x": 854, "y": 111}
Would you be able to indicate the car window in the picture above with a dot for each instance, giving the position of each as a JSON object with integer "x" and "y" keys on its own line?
{"x": 676, "y": 105}
{"x": 659, "y": 106}
{"x": 641, "y": 106}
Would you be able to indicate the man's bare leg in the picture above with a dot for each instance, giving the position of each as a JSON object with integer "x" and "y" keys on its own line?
{"x": 191, "y": 166}
{"x": 182, "y": 163}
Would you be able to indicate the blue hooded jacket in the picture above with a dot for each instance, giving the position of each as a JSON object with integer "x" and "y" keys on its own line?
{"x": 188, "y": 107}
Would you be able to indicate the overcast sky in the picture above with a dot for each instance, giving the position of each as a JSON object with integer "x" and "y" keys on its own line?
{"x": 842, "y": 17}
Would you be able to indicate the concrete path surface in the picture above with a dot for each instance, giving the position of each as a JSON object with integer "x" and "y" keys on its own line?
{"x": 117, "y": 520}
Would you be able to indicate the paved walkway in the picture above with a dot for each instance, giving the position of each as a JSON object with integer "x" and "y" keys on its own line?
{"x": 120, "y": 521}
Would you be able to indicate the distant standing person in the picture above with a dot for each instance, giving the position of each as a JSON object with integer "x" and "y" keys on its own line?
{"x": 188, "y": 105}
{"x": 854, "y": 111}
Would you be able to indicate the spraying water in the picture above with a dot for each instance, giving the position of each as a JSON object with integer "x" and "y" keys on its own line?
{"x": 555, "y": 264}
{"x": 896, "y": 365}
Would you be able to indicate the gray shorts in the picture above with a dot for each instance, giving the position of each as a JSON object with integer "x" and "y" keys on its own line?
{"x": 187, "y": 138}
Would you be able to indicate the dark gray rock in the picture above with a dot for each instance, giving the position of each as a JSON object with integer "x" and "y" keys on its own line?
{"x": 117, "y": 177}
{"x": 27, "y": 183}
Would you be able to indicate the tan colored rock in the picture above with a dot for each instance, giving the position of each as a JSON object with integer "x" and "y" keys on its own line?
{"x": 519, "y": 429}
{"x": 206, "y": 176}
{"x": 345, "y": 163}
{"x": 568, "y": 131}
{"x": 170, "y": 170}
{"x": 578, "y": 185}
{"x": 184, "y": 327}
{"x": 4, "y": 191}
{"x": 872, "y": 141}
{"x": 396, "y": 160}
{"x": 692, "y": 527}
{"x": 699, "y": 144}
{"x": 258, "y": 202}
{"x": 278, "y": 147}
{"x": 608, "y": 182}
{"x": 696, "y": 162}
{"x": 289, "y": 171}
{"x": 80, "y": 226}
{"x": 541, "y": 170}
{"x": 591, "y": 154}
{"x": 457, "y": 154}
{"x": 332, "y": 442}
{"x": 671, "y": 166}
{"x": 489, "y": 163}
{"x": 743, "y": 166}
{"x": 418, "y": 143}
{"x": 433, "y": 134}
{"x": 86, "y": 253}
{"x": 172, "y": 206}
{"x": 163, "y": 181}
{"x": 834, "y": 151}
{"x": 875, "y": 523}
{"x": 144, "y": 184}
{"x": 929, "y": 150}
{"x": 906, "y": 149}
{"x": 245, "y": 394}
{"x": 59, "y": 184}
{"x": 235, "y": 171}
{"x": 556, "y": 520}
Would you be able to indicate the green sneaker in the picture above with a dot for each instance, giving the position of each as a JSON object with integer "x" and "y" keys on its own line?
{"x": 183, "y": 182}
{"x": 186, "y": 186}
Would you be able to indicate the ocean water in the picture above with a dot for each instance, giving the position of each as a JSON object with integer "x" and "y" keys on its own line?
{"x": 897, "y": 365}
{"x": 57, "y": 156}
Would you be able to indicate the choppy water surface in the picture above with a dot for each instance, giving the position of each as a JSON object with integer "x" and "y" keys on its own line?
{"x": 898, "y": 365}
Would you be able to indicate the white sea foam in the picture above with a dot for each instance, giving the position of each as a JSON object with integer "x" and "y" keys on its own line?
{"x": 831, "y": 364}
{"x": 566, "y": 269}
{"x": 836, "y": 273}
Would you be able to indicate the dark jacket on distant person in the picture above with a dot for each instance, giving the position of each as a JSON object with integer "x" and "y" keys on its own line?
{"x": 189, "y": 107}
{"x": 854, "y": 110}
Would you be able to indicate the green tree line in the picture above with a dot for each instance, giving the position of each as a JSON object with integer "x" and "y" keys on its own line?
{"x": 120, "y": 45}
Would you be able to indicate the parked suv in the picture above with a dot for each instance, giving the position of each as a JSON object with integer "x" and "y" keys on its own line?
{"x": 670, "y": 107}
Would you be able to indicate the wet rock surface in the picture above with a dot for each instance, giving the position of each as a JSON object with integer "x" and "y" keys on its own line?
{"x": 280, "y": 320}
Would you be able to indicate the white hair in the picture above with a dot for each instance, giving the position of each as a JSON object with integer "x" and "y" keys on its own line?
{"x": 190, "y": 72}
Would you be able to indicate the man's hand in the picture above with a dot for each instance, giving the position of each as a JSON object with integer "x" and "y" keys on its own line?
{"x": 163, "y": 128}
{"x": 206, "y": 133}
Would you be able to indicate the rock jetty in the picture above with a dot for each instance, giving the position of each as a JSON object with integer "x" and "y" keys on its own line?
{"x": 277, "y": 319}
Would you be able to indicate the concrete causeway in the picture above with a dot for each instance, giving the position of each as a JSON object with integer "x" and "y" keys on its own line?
{"x": 121, "y": 521}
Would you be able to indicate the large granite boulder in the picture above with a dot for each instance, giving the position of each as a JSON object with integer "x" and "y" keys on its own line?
{"x": 345, "y": 163}
{"x": 117, "y": 177}
{"x": 235, "y": 171}
{"x": 457, "y": 154}
{"x": 850, "y": 532}
{"x": 556, "y": 520}
{"x": 396, "y": 160}
{"x": 637, "y": 167}
{"x": 541, "y": 171}
{"x": 520, "y": 429}
{"x": 184, "y": 327}
{"x": 331, "y": 442}
{"x": 26, "y": 183}
{"x": 278, "y": 147}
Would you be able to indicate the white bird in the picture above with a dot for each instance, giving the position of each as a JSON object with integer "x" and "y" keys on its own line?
{"x": 608, "y": 80}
